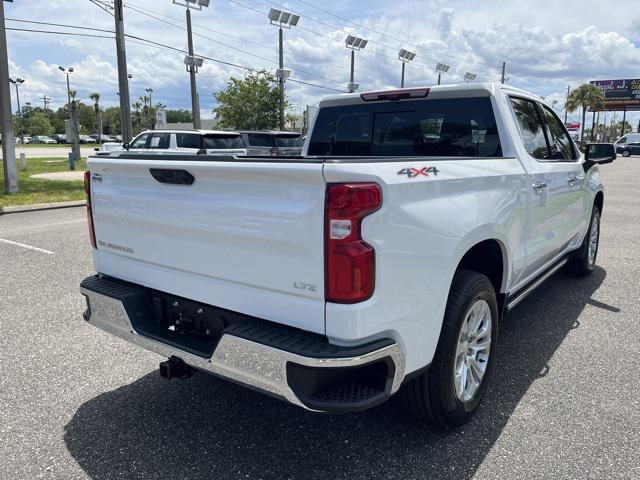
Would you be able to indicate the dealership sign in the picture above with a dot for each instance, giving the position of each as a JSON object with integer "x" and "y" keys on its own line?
{"x": 620, "y": 94}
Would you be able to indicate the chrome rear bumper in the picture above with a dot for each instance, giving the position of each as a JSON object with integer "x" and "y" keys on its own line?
{"x": 246, "y": 361}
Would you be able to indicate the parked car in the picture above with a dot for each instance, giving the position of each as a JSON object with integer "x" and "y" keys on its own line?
{"x": 628, "y": 138}
{"x": 59, "y": 138}
{"x": 272, "y": 143}
{"x": 41, "y": 139}
{"x": 189, "y": 142}
{"x": 628, "y": 149}
{"x": 385, "y": 257}
{"x": 84, "y": 139}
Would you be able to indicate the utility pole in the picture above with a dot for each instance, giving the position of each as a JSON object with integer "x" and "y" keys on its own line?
{"x": 504, "y": 71}
{"x": 75, "y": 148}
{"x": 123, "y": 79}
{"x": 566, "y": 112}
{"x": 46, "y": 100}
{"x": 17, "y": 82}
{"x": 281, "y": 79}
{"x": 8, "y": 141}
{"x": 593, "y": 125}
{"x": 624, "y": 119}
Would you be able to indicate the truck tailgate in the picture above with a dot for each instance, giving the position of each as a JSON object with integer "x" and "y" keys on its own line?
{"x": 245, "y": 236}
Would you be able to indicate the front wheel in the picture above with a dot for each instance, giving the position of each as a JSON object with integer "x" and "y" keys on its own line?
{"x": 626, "y": 153}
{"x": 449, "y": 392}
{"x": 582, "y": 262}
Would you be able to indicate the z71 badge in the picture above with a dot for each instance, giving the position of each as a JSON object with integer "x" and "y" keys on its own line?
{"x": 417, "y": 172}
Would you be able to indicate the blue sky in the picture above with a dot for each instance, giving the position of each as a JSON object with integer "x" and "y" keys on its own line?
{"x": 546, "y": 44}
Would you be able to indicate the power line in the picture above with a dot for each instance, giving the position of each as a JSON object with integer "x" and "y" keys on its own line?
{"x": 141, "y": 41}
{"x": 231, "y": 46}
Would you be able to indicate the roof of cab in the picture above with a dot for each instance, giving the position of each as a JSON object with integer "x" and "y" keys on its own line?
{"x": 490, "y": 88}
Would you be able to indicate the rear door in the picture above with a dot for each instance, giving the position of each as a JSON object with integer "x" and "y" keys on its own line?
{"x": 248, "y": 237}
{"x": 548, "y": 178}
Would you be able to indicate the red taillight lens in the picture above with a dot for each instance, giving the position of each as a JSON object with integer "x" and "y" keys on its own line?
{"x": 350, "y": 261}
{"x": 87, "y": 191}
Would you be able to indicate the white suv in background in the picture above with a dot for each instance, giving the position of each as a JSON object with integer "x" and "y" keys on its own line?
{"x": 211, "y": 142}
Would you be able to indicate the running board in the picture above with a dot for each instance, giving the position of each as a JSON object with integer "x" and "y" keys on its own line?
{"x": 541, "y": 279}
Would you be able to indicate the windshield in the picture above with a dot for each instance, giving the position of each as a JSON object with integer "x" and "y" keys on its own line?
{"x": 215, "y": 142}
{"x": 260, "y": 140}
{"x": 446, "y": 127}
{"x": 289, "y": 141}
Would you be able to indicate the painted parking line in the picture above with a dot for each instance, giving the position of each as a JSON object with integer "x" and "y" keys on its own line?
{"x": 29, "y": 247}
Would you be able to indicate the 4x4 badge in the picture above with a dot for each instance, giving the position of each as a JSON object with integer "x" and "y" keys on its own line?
{"x": 417, "y": 172}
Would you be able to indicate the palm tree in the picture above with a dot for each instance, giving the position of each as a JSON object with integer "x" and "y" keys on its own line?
{"x": 96, "y": 105}
{"x": 586, "y": 96}
{"x": 136, "y": 107}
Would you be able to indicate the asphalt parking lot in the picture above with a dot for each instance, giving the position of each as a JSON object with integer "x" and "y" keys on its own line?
{"x": 77, "y": 403}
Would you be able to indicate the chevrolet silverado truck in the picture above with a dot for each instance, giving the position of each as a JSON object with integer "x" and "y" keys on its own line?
{"x": 381, "y": 261}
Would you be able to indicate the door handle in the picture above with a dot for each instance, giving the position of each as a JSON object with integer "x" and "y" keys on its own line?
{"x": 539, "y": 187}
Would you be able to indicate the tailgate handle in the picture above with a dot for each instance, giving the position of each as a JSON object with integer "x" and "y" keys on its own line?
{"x": 172, "y": 176}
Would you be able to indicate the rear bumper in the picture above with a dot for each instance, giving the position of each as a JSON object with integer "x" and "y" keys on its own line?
{"x": 295, "y": 366}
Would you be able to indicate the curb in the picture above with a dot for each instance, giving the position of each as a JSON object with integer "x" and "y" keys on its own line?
{"x": 42, "y": 206}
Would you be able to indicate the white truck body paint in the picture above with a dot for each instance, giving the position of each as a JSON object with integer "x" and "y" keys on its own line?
{"x": 247, "y": 232}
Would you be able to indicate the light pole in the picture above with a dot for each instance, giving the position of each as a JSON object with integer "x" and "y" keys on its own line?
{"x": 67, "y": 72}
{"x": 6, "y": 122}
{"x": 354, "y": 43}
{"x": 193, "y": 63}
{"x": 440, "y": 69}
{"x": 282, "y": 19}
{"x": 17, "y": 82}
{"x": 73, "y": 124}
{"x": 405, "y": 57}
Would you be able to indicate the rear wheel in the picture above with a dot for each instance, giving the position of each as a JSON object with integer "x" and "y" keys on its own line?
{"x": 582, "y": 262}
{"x": 449, "y": 392}
{"x": 626, "y": 153}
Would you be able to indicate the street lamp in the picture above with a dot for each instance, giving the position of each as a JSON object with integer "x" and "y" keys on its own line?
{"x": 469, "y": 77}
{"x": 17, "y": 82}
{"x": 193, "y": 64}
{"x": 73, "y": 126}
{"x": 282, "y": 19}
{"x": 67, "y": 72}
{"x": 440, "y": 69}
{"x": 405, "y": 57}
{"x": 354, "y": 43}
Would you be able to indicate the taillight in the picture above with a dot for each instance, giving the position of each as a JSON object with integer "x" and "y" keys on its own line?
{"x": 350, "y": 261}
{"x": 87, "y": 191}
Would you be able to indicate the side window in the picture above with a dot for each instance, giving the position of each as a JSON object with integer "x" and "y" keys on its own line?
{"x": 622, "y": 140}
{"x": 531, "y": 128}
{"x": 159, "y": 141}
{"x": 559, "y": 141}
{"x": 140, "y": 142}
{"x": 188, "y": 140}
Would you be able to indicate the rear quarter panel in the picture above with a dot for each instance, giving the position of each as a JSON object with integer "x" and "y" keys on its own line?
{"x": 422, "y": 231}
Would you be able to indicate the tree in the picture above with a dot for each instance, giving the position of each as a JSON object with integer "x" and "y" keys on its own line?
{"x": 96, "y": 105}
{"x": 39, "y": 124}
{"x": 251, "y": 103}
{"x": 179, "y": 116}
{"x": 585, "y": 96}
{"x": 111, "y": 120}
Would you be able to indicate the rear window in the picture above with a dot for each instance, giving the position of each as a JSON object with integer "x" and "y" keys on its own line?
{"x": 447, "y": 127}
{"x": 188, "y": 140}
{"x": 214, "y": 142}
{"x": 260, "y": 140}
{"x": 289, "y": 141}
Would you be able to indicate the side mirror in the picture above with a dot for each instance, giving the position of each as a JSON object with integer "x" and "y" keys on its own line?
{"x": 600, "y": 153}
{"x": 125, "y": 145}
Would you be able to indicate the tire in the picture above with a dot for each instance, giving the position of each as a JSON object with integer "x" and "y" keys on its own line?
{"x": 626, "y": 153}
{"x": 581, "y": 262}
{"x": 434, "y": 396}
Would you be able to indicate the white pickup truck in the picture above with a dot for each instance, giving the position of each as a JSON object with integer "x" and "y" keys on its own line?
{"x": 382, "y": 260}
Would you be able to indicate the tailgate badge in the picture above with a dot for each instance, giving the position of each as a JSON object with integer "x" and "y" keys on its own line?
{"x": 96, "y": 177}
{"x": 305, "y": 286}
